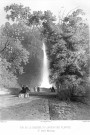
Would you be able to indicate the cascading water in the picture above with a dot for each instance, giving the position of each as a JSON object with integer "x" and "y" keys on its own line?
{"x": 45, "y": 77}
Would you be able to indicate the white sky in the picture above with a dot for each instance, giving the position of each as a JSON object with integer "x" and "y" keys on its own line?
{"x": 54, "y": 5}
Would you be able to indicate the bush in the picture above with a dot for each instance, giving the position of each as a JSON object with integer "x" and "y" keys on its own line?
{"x": 63, "y": 95}
{"x": 79, "y": 93}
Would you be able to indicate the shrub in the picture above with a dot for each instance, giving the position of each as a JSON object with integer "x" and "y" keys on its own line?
{"x": 79, "y": 93}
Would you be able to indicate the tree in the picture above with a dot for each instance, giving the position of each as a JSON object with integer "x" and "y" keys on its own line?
{"x": 13, "y": 51}
{"x": 7, "y": 78}
{"x": 69, "y": 56}
{"x": 12, "y": 56}
{"x": 29, "y": 37}
{"x": 67, "y": 45}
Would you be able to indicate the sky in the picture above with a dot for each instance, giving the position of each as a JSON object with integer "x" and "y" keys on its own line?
{"x": 54, "y": 5}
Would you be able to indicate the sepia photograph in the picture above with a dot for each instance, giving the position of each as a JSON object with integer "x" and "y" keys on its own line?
{"x": 44, "y": 64}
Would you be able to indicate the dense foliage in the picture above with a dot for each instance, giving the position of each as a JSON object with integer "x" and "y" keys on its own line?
{"x": 12, "y": 56}
{"x": 67, "y": 44}
{"x": 69, "y": 55}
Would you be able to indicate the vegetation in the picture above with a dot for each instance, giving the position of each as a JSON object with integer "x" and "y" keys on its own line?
{"x": 69, "y": 56}
{"x": 67, "y": 46}
{"x": 17, "y": 44}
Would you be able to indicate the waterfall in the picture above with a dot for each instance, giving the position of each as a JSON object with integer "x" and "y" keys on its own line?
{"x": 45, "y": 73}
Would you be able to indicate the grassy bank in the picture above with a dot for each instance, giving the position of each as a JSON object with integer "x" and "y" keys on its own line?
{"x": 61, "y": 110}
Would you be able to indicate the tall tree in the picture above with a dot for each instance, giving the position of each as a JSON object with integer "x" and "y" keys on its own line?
{"x": 7, "y": 78}
{"x": 13, "y": 53}
{"x": 67, "y": 43}
{"x": 29, "y": 37}
{"x": 69, "y": 56}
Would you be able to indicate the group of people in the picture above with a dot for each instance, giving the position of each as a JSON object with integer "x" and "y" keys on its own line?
{"x": 24, "y": 92}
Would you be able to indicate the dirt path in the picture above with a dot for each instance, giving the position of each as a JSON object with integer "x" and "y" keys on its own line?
{"x": 32, "y": 108}
{"x": 41, "y": 108}
{"x": 11, "y": 100}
